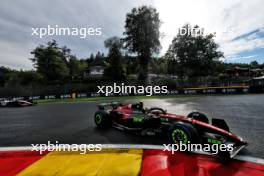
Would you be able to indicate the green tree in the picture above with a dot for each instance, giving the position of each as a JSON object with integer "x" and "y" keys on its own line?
{"x": 131, "y": 64}
{"x": 194, "y": 55}
{"x": 76, "y": 68}
{"x": 142, "y": 35}
{"x": 172, "y": 63}
{"x": 3, "y": 75}
{"x": 114, "y": 69}
{"x": 51, "y": 61}
{"x": 99, "y": 55}
{"x": 254, "y": 63}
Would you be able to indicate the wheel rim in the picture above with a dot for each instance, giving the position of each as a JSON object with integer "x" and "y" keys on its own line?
{"x": 179, "y": 135}
{"x": 98, "y": 119}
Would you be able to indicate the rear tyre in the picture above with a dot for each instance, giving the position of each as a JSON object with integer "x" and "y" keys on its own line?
{"x": 101, "y": 119}
{"x": 182, "y": 133}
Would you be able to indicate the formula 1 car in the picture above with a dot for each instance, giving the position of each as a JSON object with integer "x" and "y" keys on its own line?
{"x": 194, "y": 128}
{"x": 16, "y": 103}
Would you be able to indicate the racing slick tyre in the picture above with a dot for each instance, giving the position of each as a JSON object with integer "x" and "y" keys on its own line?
{"x": 182, "y": 133}
{"x": 101, "y": 119}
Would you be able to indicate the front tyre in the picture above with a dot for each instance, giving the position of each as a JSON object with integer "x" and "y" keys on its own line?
{"x": 101, "y": 119}
{"x": 182, "y": 133}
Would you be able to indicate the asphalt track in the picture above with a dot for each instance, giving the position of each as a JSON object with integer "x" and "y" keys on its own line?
{"x": 73, "y": 122}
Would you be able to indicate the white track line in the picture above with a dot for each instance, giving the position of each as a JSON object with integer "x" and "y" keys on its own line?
{"x": 124, "y": 146}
